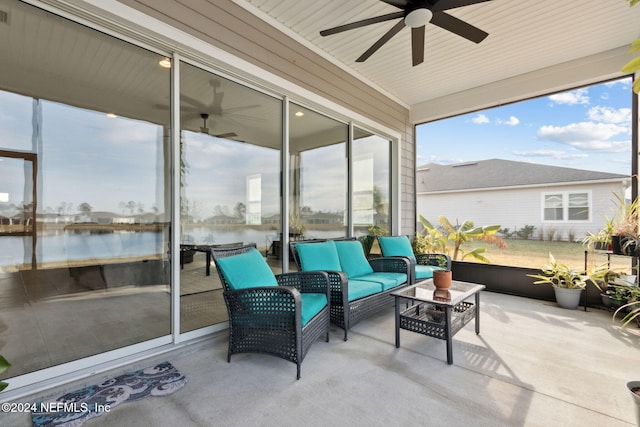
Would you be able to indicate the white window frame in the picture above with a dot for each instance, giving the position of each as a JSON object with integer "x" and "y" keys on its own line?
{"x": 565, "y": 194}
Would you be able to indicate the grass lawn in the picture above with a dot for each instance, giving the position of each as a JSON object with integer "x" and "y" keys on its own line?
{"x": 535, "y": 254}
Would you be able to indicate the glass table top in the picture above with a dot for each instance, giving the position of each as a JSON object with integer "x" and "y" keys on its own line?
{"x": 427, "y": 292}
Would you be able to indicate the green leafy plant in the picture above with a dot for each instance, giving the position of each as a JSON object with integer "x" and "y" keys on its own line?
{"x": 563, "y": 276}
{"x": 632, "y": 305}
{"x": 602, "y": 238}
{"x": 633, "y": 65}
{"x": 459, "y": 234}
{"x": 4, "y": 365}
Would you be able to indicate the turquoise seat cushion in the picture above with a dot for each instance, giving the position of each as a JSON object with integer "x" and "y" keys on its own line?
{"x": 396, "y": 246}
{"x": 247, "y": 270}
{"x": 387, "y": 280}
{"x": 312, "y": 304}
{"x": 425, "y": 271}
{"x": 318, "y": 256}
{"x": 361, "y": 288}
{"x": 352, "y": 259}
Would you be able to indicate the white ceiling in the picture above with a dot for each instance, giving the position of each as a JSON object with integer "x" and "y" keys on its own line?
{"x": 524, "y": 36}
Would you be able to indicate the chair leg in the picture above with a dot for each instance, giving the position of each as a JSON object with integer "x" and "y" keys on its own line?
{"x": 298, "y": 371}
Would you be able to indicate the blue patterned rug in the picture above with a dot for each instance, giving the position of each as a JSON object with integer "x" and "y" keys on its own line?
{"x": 73, "y": 409}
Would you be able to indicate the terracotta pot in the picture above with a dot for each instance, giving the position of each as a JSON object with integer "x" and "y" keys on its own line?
{"x": 442, "y": 279}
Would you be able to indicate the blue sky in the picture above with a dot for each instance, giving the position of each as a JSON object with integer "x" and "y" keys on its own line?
{"x": 587, "y": 128}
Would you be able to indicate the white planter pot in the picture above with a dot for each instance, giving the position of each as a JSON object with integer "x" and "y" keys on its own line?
{"x": 568, "y": 298}
{"x": 636, "y": 399}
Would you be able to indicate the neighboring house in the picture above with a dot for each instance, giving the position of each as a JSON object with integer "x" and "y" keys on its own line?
{"x": 564, "y": 202}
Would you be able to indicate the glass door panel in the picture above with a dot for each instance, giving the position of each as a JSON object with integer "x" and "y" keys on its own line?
{"x": 17, "y": 239}
{"x": 229, "y": 184}
{"x": 371, "y": 187}
{"x": 318, "y": 175}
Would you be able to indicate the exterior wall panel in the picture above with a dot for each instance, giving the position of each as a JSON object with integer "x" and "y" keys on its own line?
{"x": 515, "y": 208}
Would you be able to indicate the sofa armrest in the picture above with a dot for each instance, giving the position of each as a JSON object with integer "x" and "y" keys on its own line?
{"x": 306, "y": 282}
{"x": 396, "y": 264}
{"x": 249, "y": 305}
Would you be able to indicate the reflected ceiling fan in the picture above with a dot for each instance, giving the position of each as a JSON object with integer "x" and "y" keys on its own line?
{"x": 416, "y": 14}
{"x": 196, "y": 108}
{"x": 214, "y": 108}
{"x": 205, "y": 129}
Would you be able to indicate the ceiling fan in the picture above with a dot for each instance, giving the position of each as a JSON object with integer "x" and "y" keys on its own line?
{"x": 416, "y": 14}
{"x": 205, "y": 129}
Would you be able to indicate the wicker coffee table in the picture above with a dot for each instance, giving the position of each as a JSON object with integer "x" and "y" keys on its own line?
{"x": 437, "y": 313}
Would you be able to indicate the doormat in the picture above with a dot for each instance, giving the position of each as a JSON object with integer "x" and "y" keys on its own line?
{"x": 73, "y": 409}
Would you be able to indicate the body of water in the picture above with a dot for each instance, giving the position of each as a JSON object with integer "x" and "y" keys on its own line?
{"x": 71, "y": 246}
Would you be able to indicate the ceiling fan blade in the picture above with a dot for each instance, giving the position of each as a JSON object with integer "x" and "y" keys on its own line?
{"x": 363, "y": 23}
{"x": 194, "y": 102}
{"x": 453, "y": 4}
{"x": 226, "y": 135}
{"x": 417, "y": 45}
{"x": 216, "y": 105}
{"x": 385, "y": 38}
{"x": 228, "y": 111}
{"x": 456, "y": 26}
{"x": 400, "y": 4}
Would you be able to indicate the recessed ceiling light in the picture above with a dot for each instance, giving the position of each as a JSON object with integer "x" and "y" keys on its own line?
{"x": 111, "y": 115}
{"x": 299, "y": 114}
{"x": 165, "y": 63}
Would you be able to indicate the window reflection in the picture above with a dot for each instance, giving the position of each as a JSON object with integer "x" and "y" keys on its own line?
{"x": 371, "y": 183}
{"x": 318, "y": 175}
{"x": 86, "y": 272}
{"x": 230, "y": 184}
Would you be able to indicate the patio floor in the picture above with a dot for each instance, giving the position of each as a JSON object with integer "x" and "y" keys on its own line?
{"x": 533, "y": 364}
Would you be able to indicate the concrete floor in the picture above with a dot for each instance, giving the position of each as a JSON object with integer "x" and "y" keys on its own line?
{"x": 533, "y": 364}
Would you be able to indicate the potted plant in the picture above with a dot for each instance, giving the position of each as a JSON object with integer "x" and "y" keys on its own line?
{"x": 601, "y": 240}
{"x": 568, "y": 282}
{"x": 442, "y": 279}
{"x": 624, "y": 233}
{"x": 4, "y": 365}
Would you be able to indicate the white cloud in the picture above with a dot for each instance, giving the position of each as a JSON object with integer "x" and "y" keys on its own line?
{"x": 480, "y": 119}
{"x": 513, "y": 121}
{"x": 610, "y": 115}
{"x": 574, "y": 97}
{"x": 587, "y": 136}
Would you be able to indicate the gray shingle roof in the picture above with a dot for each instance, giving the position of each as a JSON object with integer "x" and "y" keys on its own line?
{"x": 500, "y": 173}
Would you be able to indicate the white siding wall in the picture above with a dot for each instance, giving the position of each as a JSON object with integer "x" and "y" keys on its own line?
{"x": 516, "y": 208}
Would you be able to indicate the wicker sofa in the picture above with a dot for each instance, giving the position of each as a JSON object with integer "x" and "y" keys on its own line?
{"x": 359, "y": 287}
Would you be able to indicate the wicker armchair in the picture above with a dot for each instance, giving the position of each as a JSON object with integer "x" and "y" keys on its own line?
{"x": 280, "y": 315}
{"x": 422, "y": 265}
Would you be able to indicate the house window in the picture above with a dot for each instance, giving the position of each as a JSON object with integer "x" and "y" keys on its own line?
{"x": 553, "y": 207}
{"x": 566, "y": 207}
{"x": 578, "y": 209}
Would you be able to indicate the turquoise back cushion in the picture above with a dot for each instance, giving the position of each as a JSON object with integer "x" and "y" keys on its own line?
{"x": 247, "y": 270}
{"x": 396, "y": 246}
{"x": 318, "y": 256}
{"x": 352, "y": 259}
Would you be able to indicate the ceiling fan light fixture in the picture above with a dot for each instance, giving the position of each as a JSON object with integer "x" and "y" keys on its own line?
{"x": 418, "y": 17}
